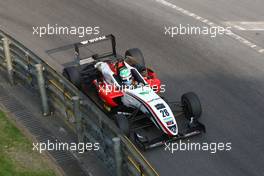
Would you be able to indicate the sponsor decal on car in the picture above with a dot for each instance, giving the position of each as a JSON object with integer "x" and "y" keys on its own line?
{"x": 144, "y": 92}
{"x": 170, "y": 122}
{"x": 167, "y": 119}
{"x": 160, "y": 106}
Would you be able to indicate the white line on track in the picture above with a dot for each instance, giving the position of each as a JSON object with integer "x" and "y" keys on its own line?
{"x": 246, "y": 25}
{"x": 212, "y": 24}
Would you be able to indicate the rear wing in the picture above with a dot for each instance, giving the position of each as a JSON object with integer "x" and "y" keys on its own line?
{"x": 85, "y": 43}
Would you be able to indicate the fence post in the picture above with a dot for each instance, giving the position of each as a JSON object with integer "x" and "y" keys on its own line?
{"x": 77, "y": 113}
{"x": 8, "y": 60}
{"x": 42, "y": 89}
{"x": 118, "y": 155}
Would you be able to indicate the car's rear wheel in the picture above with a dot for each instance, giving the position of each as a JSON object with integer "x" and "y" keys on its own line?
{"x": 123, "y": 124}
{"x": 138, "y": 57}
{"x": 191, "y": 105}
{"x": 72, "y": 74}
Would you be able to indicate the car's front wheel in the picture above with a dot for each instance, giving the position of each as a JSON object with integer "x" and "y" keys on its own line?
{"x": 191, "y": 105}
{"x": 123, "y": 124}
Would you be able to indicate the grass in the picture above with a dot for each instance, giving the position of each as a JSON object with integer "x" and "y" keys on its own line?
{"x": 16, "y": 155}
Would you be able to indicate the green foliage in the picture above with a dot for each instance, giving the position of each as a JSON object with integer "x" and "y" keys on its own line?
{"x": 16, "y": 155}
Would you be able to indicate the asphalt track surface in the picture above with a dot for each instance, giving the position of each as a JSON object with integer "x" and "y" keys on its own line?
{"x": 227, "y": 75}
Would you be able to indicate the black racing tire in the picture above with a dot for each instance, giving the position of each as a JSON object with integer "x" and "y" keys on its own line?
{"x": 73, "y": 75}
{"x": 191, "y": 105}
{"x": 137, "y": 55}
{"x": 123, "y": 124}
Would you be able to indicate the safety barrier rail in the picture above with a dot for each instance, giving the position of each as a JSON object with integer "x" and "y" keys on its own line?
{"x": 58, "y": 95}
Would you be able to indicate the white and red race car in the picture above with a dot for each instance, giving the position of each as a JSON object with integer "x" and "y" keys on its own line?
{"x": 138, "y": 106}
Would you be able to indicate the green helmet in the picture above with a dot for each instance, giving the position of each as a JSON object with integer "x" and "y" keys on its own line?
{"x": 125, "y": 75}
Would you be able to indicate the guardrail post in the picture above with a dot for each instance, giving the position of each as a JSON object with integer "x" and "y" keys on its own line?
{"x": 77, "y": 113}
{"x": 42, "y": 89}
{"x": 118, "y": 155}
{"x": 8, "y": 60}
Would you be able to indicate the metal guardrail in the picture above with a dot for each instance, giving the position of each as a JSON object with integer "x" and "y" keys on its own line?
{"x": 58, "y": 95}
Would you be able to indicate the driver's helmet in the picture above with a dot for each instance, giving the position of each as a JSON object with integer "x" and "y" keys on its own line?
{"x": 125, "y": 75}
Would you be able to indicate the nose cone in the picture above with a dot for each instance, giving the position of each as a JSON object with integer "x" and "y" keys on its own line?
{"x": 170, "y": 124}
{"x": 173, "y": 129}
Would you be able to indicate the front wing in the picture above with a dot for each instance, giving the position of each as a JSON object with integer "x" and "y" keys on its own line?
{"x": 194, "y": 128}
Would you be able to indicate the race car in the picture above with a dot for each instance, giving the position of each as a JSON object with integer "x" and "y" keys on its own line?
{"x": 130, "y": 94}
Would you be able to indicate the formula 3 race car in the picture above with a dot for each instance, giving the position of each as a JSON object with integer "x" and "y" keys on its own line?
{"x": 130, "y": 94}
